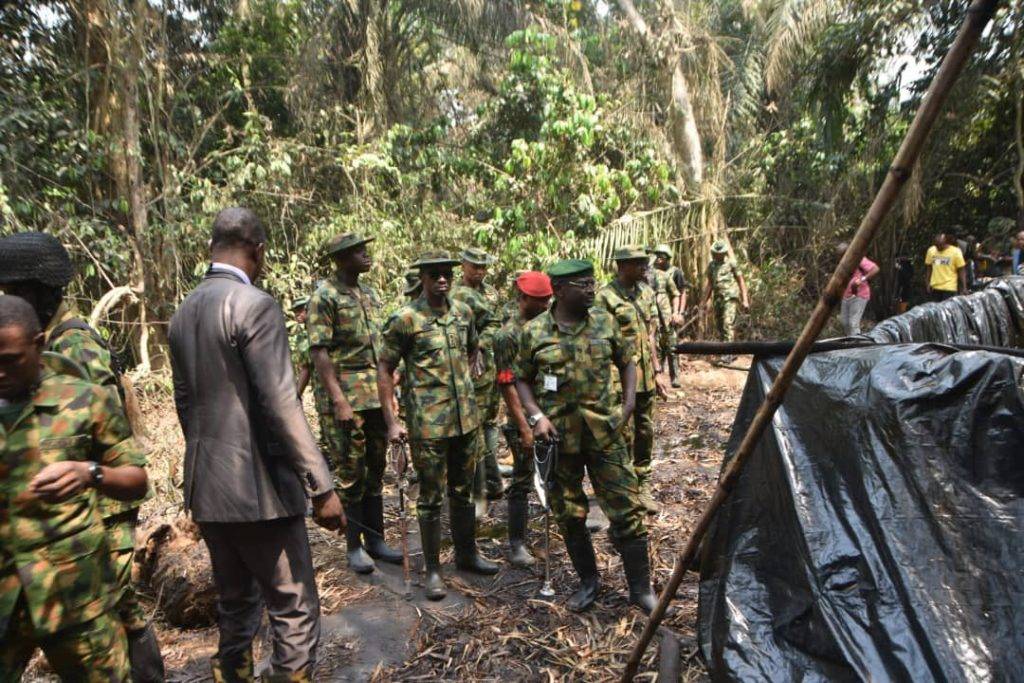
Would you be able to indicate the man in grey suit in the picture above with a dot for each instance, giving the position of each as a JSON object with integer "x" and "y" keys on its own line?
{"x": 251, "y": 462}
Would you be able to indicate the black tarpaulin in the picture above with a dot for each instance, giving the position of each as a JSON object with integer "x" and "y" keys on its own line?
{"x": 877, "y": 533}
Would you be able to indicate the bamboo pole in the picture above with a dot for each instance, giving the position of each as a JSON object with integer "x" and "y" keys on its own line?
{"x": 978, "y": 16}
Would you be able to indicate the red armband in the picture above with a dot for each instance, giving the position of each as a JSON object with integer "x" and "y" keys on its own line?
{"x": 506, "y": 376}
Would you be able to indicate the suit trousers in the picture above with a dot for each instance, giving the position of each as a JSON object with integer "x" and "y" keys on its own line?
{"x": 269, "y": 560}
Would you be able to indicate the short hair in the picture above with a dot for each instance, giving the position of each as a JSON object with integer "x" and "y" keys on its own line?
{"x": 237, "y": 226}
{"x": 16, "y": 312}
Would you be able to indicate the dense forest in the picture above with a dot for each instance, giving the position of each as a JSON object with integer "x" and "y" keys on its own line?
{"x": 532, "y": 129}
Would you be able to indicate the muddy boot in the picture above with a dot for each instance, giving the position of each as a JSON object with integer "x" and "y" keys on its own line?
{"x": 430, "y": 538}
{"x": 373, "y": 535}
{"x": 358, "y": 560}
{"x": 672, "y": 371}
{"x": 581, "y": 552}
{"x": 147, "y": 665}
{"x": 637, "y": 566}
{"x": 240, "y": 671}
{"x": 518, "y": 556}
{"x": 467, "y": 557}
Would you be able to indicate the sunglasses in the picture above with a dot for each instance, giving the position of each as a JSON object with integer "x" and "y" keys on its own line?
{"x": 437, "y": 274}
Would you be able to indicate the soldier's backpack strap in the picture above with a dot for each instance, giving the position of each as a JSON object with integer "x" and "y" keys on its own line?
{"x": 76, "y": 324}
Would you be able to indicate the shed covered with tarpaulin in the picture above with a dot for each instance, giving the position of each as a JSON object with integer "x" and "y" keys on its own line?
{"x": 878, "y": 531}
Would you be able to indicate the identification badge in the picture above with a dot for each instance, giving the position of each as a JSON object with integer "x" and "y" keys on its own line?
{"x": 550, "y": 383}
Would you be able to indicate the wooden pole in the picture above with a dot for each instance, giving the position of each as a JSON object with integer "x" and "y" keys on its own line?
{"x": 978, "y": 16}
{"x": 782, "y": 348}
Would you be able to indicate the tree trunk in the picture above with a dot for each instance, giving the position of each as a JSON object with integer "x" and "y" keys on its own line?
{"x": 682, "y": 122}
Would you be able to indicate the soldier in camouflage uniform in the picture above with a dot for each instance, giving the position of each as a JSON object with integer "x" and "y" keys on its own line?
{"x": 482, "y": 299}
{"x": 672, "y": 282}
{"x": 59, "y": 436}
{"x": 534, "y": 294}
{"x": 302, "y": 361}
{"x": 344, "y": 337}
{"x": 633, "y": 304}
{"x": 725, "y": 282}
{"x": 569, "y": 392}
{"x": 36, "y": 267}
{"x": 435, "y": 337}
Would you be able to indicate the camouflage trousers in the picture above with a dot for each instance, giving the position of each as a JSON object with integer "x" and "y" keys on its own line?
{"x": 615, "y": 485}
{"x": 445, "y": 463}
{"x": 121, "y": 537}
{"x": 522, "y": 465}
{"x": 94, "y": 652}
{"x": 725, "y": 318}
{"x": 642, "y": 438}
{"x": 487, "y": 403}
{"x": 357, "y": 455}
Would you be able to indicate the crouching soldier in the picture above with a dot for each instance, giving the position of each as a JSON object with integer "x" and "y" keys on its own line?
{"x": 565, "y": 381}
{"x": 64, "y": 441}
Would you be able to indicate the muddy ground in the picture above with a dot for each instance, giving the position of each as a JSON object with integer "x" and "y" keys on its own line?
{"x": 495, "y": 628}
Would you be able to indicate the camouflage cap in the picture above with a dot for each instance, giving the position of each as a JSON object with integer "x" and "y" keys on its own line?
{"x": 570, "y": 267}
{"x": 301, "y": 302}
{"x": 412, "y": 281}
{"x": 34, "y": 257}
{"x": 720, "y": 247}
{"x": 434, "y": 258}
{"x": 630, "y": 252}
{"x": 340, "y": 243}
{"x": 476, "y": 256}
{"x": 662, "y": 250}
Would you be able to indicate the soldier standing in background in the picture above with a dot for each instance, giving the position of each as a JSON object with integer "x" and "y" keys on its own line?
{"x": 631, "y": 301}
{"x": 35, "y": 267}
{"x": 344, "y": 337}
{"x": 534, "y": 295}
{"x": 676, "y": 285}
{"x": 482, "y": 299}
{"x": 565, "y": 381}
{"x": 435, "y": 337}
{"x": 302, "y": 363}
{"x": 665, "y": 292}
{"x": 725, "y": 282}
{"x": 59, "y": 437}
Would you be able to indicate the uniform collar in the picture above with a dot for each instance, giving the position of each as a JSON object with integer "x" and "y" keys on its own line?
{"x": 63, "y": 314}
{"x": 626, "y": 293}
{"x": 575, "y": 329}
{"x": 47, "y": 394}
{"x": 421, "y": 304}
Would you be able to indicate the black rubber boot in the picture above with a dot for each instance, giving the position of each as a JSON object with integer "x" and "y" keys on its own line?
{"x": 358, "y": 560}
{"x": 373, "y": 535}
{"x": 147, "y": 665}
{"x": 637, "y": 566}
{"x": 519, "y": 556}
{"x": 430, "y": 538}
{"x": 467, "y": 557}
{"x": 581, "y": 552}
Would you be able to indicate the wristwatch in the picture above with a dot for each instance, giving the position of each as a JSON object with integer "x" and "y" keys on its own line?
{"x": 534, "y": 419}
{"x": 95, "y": 475}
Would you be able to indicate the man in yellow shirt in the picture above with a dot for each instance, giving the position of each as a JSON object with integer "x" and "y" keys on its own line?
{"x": 945, "y": 275}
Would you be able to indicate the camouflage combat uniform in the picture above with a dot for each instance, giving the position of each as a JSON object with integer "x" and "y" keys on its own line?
{"x": 119, "y": 517}
{"x": 442, "y": 416}
{"x": 585, "y": 408}
{"x": 665, "y": 292}
{"x": 726, "y": 294}
{"x": 485, "y": 306}
{"x": 636, "y": 313}
{"x": 506, "y": 351}
{"x": 345, "y": 321}
{"x": 58, "y": 584}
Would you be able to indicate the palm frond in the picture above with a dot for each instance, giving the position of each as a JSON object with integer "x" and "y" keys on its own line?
{"x": 793, "y": 28}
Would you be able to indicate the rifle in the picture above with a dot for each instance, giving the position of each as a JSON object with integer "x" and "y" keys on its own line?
{"x": 545, "y": 456}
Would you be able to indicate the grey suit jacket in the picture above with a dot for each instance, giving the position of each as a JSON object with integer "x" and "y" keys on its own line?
{"x": 249, "y": 453}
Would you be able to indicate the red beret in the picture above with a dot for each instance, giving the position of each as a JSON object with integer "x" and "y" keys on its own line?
{"x": 533, "y": 283}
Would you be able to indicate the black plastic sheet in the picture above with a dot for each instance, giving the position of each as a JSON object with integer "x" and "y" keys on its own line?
{"x": 877, "y": 533}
